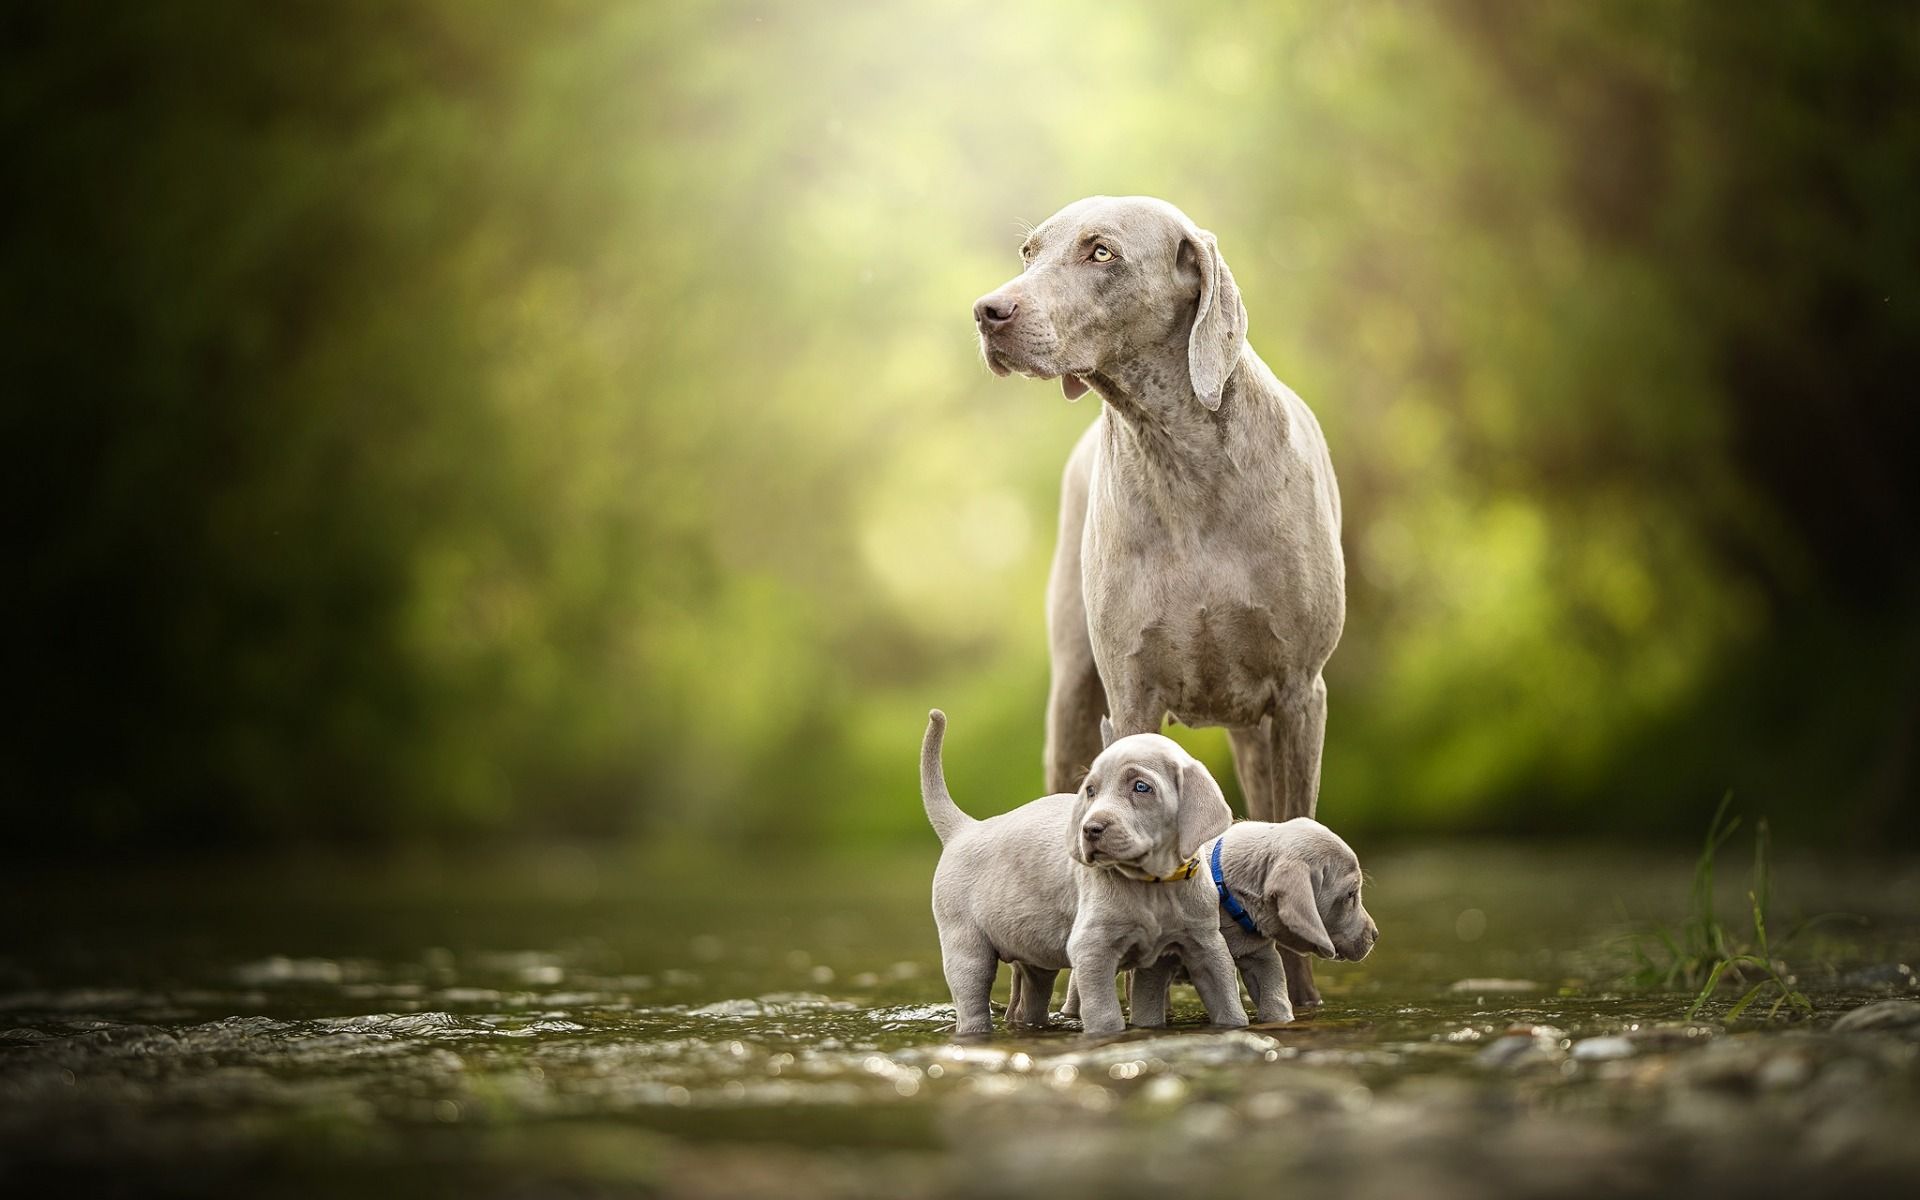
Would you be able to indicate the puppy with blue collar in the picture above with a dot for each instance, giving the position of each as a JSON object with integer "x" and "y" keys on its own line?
{"x": 1292, "y": 885}
{"x": 1101, "y": 881}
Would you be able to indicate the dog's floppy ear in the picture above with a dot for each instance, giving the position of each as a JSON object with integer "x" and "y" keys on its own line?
{"x": 1106, "y": 732}
{"x": 1203, "y": 810}
{"x": 1219, "y": 322}
{"x": 1290, "y": 888}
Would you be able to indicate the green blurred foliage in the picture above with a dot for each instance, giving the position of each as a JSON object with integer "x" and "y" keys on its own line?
{"x": 454, "y": 419}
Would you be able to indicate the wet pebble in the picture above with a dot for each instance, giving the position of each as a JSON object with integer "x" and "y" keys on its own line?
{"x": 1896, "y": 977}
{"x": 281, "y": 969}
{"x": 1484, "y": 986}
{"x": 1900, "y": 1017}
{"x": 1600, "y": 1049}
{"x": 1783, "y": 1072}
{"x": 1521, "y": 1046}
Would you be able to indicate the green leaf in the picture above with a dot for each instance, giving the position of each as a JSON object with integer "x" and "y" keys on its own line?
{"x": 1740, "y": 1005}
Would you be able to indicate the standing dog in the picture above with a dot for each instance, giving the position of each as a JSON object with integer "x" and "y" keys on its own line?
{"x": 1100, "y": 881}
{"x": 1198, "y": 572}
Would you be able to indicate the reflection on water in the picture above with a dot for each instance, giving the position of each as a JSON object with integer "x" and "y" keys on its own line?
{"x": 594, "y": 1024}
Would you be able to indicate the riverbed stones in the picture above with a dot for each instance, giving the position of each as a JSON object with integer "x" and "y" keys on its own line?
{"x": 1901, "y": 1017}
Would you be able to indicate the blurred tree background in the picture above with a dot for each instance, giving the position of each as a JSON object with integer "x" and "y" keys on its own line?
{"x": 451, "y": 420}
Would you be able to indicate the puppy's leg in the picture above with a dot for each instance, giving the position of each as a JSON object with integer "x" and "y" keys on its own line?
{"x": 1032, "y": 994}
{"x": 1147, "y": 1003}
{"x": 1095, "y": 961}
{"x": 1070, "y": 1007}
{"x": 1211, "y": 967}
{"x": 1253, "y": 766}
{"x": 970, "y": 965}
{"x": 1266, "y": 980}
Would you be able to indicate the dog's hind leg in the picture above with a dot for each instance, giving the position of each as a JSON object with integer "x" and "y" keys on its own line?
{"x": 1032, "y": 996}
{"x": 1298, "y": 731}
{"x": 970, "y": 965}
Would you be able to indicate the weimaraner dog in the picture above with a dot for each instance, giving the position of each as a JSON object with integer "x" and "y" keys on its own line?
{"x": 1100, "y": 880}
{"x": 1295, "y": 883}
{"x": 1198, "y": 573}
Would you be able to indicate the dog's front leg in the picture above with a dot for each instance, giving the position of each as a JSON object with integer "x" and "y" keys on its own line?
{"x": 1267, "y": 981}
{"x": 1134, "y": 707}
{"x": 1147, "y": 998}
{"x": 1211, "y": 967}
{"x": 1096, "y": 959}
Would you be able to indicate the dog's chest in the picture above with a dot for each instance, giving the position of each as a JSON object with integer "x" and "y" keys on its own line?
{"x": 1218, "y": 665}
{"x": 1145, "y": 951}
{"x": 1215, "y": 591}
{"x": 1210, "y": 629}
{"x": 1158, "y": 928}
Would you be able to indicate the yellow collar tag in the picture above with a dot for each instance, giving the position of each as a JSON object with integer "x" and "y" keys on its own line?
{"x": 1185, "y": 870}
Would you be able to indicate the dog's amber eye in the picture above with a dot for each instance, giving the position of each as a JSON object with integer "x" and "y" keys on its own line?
{"x": 1102, "y": 254}
{"x": 1026, "y": 251}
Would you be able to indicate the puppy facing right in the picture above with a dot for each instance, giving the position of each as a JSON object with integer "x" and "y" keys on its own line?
{"x": 1292, "y": 885}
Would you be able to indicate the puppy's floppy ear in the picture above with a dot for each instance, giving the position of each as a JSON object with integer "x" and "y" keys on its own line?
{"x": 1219, "y": 322}
{"x": 1203, "y": 810}
{"x": 1106, "y": 732}
{"x": 1290, "y": 887}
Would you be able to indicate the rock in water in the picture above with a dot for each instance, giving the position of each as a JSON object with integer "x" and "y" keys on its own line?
{"x": 1883, "y": 1016}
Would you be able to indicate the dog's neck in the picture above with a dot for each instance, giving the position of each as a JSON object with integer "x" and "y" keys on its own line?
{"x": 1185, "y": 871}
{"x": 1161, "y": 425}
{"x": 1233, "y": 901}
{"x": 1244, "y": 872}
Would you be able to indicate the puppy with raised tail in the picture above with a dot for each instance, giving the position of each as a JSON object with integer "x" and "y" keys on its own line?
{"x": 1099, "y": 881}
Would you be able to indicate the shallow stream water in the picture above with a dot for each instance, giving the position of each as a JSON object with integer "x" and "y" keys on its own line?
{"x": 693, "y": 1024}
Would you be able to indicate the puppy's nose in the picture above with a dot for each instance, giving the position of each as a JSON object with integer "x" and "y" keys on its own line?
{"x": 1092, "y": 830}
{"x": 994, "y": 313}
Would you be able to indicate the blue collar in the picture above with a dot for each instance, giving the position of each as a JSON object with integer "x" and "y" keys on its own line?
{"x": 1226, "y": 897}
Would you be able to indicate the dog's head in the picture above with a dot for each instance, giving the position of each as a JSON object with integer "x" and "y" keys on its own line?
{"x": 1146, "y": 807}
{"x": 1112, "y": 285}
{"x": 1309, "y": 898}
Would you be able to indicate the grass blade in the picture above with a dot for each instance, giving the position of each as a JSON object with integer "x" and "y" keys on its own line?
{"x": 1753, "y": 993}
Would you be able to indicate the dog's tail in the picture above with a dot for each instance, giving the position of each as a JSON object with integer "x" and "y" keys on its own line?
{"x": 942, "y": 813}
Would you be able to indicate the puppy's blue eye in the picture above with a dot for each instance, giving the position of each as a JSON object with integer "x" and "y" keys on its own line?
{"x": 1141, "y": 786}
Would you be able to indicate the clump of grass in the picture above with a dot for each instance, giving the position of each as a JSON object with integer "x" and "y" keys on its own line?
{"x": 1704, "y": 953}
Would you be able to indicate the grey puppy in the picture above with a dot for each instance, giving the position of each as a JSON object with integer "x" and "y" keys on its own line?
{"x": 1100, "y": 881}
{"x": 1296, "y": 883}
{"x": 1198, "y": 572}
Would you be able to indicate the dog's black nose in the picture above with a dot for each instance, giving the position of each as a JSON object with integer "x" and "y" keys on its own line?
{"x": 1093, "y": 830}
{"x": 994, "y": 313}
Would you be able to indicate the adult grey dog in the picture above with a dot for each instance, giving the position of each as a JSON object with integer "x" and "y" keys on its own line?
{"x": 1101, "y": 880}
{"x": 1198, "y": 572}
{"x": 1297, "y": 884}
